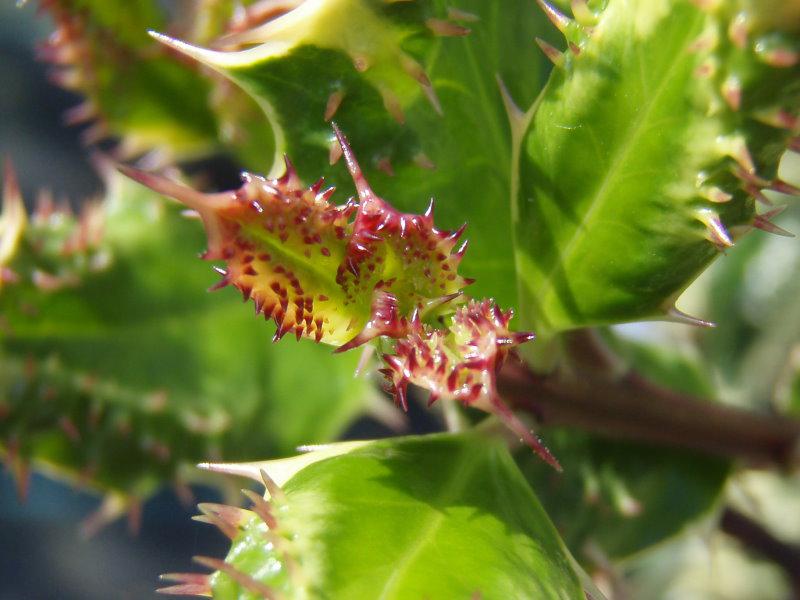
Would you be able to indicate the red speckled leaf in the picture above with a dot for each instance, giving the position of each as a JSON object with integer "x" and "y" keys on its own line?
{"x": 314, "y": 270}
{"x": 384, "y": 273}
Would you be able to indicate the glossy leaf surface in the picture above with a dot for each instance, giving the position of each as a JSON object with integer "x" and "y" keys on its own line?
{"x": 440, "y": 516}
{"x": 645, "y": 154}
{"x": 415, "y": 88}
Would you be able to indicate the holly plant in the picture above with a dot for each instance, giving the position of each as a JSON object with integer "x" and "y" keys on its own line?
{"x": 448, "y": 204}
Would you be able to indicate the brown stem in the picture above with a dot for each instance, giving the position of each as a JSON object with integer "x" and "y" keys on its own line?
{"x": 759, "y": 540}
{"x": 630, "y": 407}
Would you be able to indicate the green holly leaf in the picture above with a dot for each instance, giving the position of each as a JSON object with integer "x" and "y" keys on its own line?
{"x": 643, "y": 156}
{"x": 414, "y": 86}
{"x": 623, "y": 497}
{"x": 441, "y": 516}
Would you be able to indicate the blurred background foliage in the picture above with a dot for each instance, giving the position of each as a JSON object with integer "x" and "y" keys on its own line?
{"x": 42, "y": 555}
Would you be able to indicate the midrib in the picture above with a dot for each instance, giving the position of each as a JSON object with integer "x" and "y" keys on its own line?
{"x": 456, "y": 484}
{"x": 615, "y": 170}
{"x": 296, "y": 258}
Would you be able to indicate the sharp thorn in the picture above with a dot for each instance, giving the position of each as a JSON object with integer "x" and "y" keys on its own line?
{"x": 557, "y": 18}
{"x": 510, "y": 420}
{"x": 184, "y": 493}
{"x": 780, "y": 57}
{"x": 715, "y": 194}
{"x": 552, "y": 53}
{"x": 82, "y": 113}
{"x": 361, "y": 62}
{"x": 262, "y": 508}
{"x": 779, "y": 118}
{"x": 732, "y": 92}
{"x": 185, "y": 577}
{"x": 784, "y": 188}
{"x": 433, "y": 99}
{"x": 251, "y": 585}
{"x": 201, "y": 589}
{"x": 400, "y": 395}
{"x": 231, "y": 515}
{"x": 273, "y": 489}
{"x": 764, "y": 223}
{"x": 334, "y": 101}
{"x": 334, "y": 153}
{"x": 22, "y": 479}
{"x": 455, "y": 14}
{"x": 230, "y": 532}
{"x": 453, "y": 237}
{"x": 736, "y": 147}
{"x": 202, "y": 203}
{"x": 445, "y": 28}
{"x": 134, "y": 516}
{"x": 677, "y": 316}
{"x": 756, "y": 193}
{"x": 384, "y": 164}
{"x": 392, "y": 105}
{"x": 429, "y": 211}
{"x": 289, "y": 176}
{"x": 715, "y": 229}
{"x": 516, "y": 117}
{"x": 422, "y": 161}
{"x": 112, "y": 507}
{"x": 582, "y": 13}
{"x": 738, "y": 30}
{"x": 364, "y": 191}
{"x": 317, "y": 186}
{"x": 249, "y": 470}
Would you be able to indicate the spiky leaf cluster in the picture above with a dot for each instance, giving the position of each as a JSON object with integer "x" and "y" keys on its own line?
{"x": 51, "y": 249}
{"x": 315, "y": 271}
{"x": 416, "y": 84}
{"x": 309, "y": 267}
{"x": 134, "y": 92}
{"x": 461, "y": 363}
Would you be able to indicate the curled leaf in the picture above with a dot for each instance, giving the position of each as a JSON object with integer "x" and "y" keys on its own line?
{"x": 315, "y": 270}
{"x": 461, "y": 363}
{"x": 345, "y": 281}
